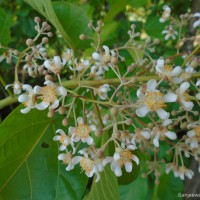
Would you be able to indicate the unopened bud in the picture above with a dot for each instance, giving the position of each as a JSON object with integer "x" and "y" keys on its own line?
{"x": 49, "y": 77}
{"x": 51, "y": 113}
{"x": 83, "y": 37}
{"x": 129, "y": 121}
{"x": 114, "y": 60}
{"x": 37, "y": 20}
{"x": 65, "y": 121}
{"x": 98, "y": 132}
{"x": 29, "y": 42}
{"x": 114, "y": 111}
{"x": 62, "y": 110}
{"x": 50, "y": 34}
{"x": 45, "y": 40}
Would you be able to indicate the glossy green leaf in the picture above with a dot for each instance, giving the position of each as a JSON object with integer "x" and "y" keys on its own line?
{"x": 69, "y": 19}
{"x": 5, "y": 24}
{"x": 136, "y": 190}
{"x": 106, "y": 188}
{"x": 29, "y": 167}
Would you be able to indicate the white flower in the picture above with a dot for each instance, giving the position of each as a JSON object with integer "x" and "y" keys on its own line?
{"x": 197, "y": 22}
{"x": 182, "y": 171}
{"x": 88, "y": 165}
{"x": 96, "y": 72}
{"x": 66, "y": 56}
{"x": 49, "y": 95}
{"x": 81, "y": 66}
{"x": 183, "y": 96}
{"x": 198, "y": 94}
{"x": 64, "y": 140}
{"x": 31, "y": 68}
{"x": 17, "y": 87}
{"x": 162, "y": 132}
{"x": 170, "y": 33}
{"x": 122, "y": 157}
{"x": 153, "y": 100}
{"x": 82, "y": 131}
{"x": 103, "y": 90}
{"x": 104, "y": 58}
{"x": 28, "y": 99}
{"x": 67, "y": 160}
{"x": 193, "y": 135}
{"x": 142, "y": 134}
{"x": 165, "y": 70}
{"x": 166, "y": 13}
{"x": 185, "y": 75}
{"x": 55, "y": 65}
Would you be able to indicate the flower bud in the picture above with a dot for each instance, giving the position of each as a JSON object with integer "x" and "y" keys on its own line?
{"x": 62, "y": 110}
{"x": 65, "y": 121}
{"x": 114, "y": 111}
{"x": 29, "y": 42}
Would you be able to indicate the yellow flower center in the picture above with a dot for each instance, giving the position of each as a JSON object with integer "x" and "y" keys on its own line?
{"x": 186, "y": 97}
{"x": 154, "y": 100}
{"x": 62, "y": 139}
{"x": 49, "y": 94}
{"x": 67, "y": 159}
{"x": 125, "y": 156}
{"x": 165, "y": 14}
{"x": 83, "y": 130}
{"x": 86, "y": 165}
{"x": 197, "y": 131}
{"x": 106, "y": 59}
{"x": 168, "y": 68}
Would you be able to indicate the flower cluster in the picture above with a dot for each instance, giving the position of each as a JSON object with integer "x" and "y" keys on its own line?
{"x": 144, "y": 105}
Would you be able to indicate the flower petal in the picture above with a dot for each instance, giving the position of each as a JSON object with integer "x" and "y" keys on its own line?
{"x": 135, "y": 159}
{"x": 151, "y": 85}
{"x": 156, "y": 140}
{"x": 162, "y": 113}
{"x": 128, "y": 166}
{"x": 118, "y": 171}
{"x": 191, "y": 133}
{"x": 142, "y": 111}
{"x": 80, "y": 120}
{"x": 42, "y": 106}
{"x": 171, "y": 135}
{"x": 170, "y": 97}
{"x": 184, "y": 86}
{"x": 176, "y": 71}
{"x": 187, "y": 105}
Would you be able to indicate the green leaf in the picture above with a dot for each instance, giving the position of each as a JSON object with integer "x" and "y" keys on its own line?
{"x": 69, "y": 19}
{"x": 169, "y": 187}
{"x": 6, "y": 22}
{"x": 136, "y": 190}
{"x": 29, "y": 166}
{"x": 138, "y": 3}
{"x": 106, "y": 188}
{"x": 153, "y": 27}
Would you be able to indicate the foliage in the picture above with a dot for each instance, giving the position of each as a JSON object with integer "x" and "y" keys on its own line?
{"x": 124, "y": 40}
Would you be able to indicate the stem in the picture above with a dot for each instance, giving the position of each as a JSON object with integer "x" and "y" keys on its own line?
{"x": 76, "y": 83}
{"x": 190, "y": 56}
{"x": 7, "y": 101}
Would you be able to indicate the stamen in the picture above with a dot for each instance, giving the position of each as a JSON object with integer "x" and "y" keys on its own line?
{"x": 154, "y": 100}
